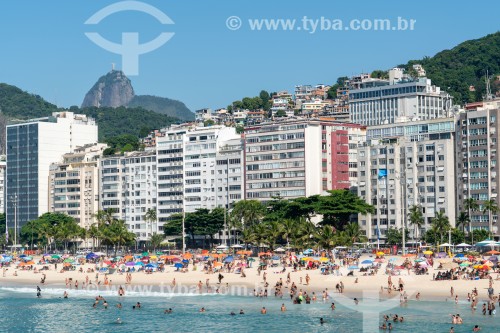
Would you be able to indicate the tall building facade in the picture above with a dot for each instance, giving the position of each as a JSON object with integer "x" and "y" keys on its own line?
{"x": 404, "y": 165}
{"x": 477, "y": 148}
{"x": 74, "y": 184}
{"x": 3, "y": 165}
{"x": 128, "y": 187}
{"x": 296, "y": 158}
{"x": 378, "y": 102}
{"x": 31, "y": 147}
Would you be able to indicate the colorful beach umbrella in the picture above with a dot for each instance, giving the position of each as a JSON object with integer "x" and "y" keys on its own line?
{"x": 56, "y": 256}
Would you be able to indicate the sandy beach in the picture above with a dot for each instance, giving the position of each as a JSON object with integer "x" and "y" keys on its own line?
{"x": 355, "y": 286}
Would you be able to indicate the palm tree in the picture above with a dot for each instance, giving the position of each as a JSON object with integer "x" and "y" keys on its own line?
{"x": 150, "y": 217}
{"x": 471, "y": 205}
{"x": 288, "y": 227}
{"x": 490, "y": 207}
{"x": 156, "y": 240}
{"x": 416, "y": 219}
{"x": 440, "y": 224}
{"x": 326, "y": 237}
{"x": 354, "y": 233}
{"x": 462, "y": 220}
{"x": 273, "y": 232}
{"x": 248, "y": 236}
{"x": 305, "y": 234}
{"x": 94, "y": 233}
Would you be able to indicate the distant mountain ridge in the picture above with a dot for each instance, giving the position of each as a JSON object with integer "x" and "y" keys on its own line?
{"x": 115, "y": 89}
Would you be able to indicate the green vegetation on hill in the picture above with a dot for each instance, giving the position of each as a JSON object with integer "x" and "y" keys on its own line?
{"x": 118, "y": 121}
{"x": 162, "y": 105}
{"x": 464, "y": 65}
{"x": 252, "y": 103}
{"x": 18, "y": 104}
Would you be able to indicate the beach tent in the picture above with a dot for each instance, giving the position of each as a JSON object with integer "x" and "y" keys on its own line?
{"x": 280, "y": 249}
{"x": 463, "y": 245}
{"x": 236, "y": 246}
{"x": 221, "y": 247}
{"x": 487, "y": 242}
{"x": 445, "y": 245}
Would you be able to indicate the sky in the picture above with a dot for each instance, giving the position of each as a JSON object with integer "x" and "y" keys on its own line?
{"x": 209, "y": 62}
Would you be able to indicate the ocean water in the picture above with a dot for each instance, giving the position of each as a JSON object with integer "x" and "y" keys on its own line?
{"x": 21, "y": 311}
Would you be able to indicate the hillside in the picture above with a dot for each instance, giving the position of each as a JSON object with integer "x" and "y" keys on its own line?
{"x": 162, "y": 105}
{"x": 463, "y": 66}
{"x": 118, "y": 121}
{"x": 115, "y": 89}
{"x": 18, "y": 104}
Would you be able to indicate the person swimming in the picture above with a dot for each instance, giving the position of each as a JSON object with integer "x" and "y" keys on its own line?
{"x": 118, "y": 320}
{"x": 321, "y": 321}
{"x": 38, "y": 292}
{"x": 241, "y": 311}
{"x": 202, "y": 309}
{"x": 169, "y": 310}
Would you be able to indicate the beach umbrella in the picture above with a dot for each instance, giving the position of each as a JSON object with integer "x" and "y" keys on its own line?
{"x": 422, "y": 264}
{"x": 99, "y": 254}
{"x": 251, "y": 259}
{"x": 236, "y": 246}
{"x": 464, "y": 264}
{"x": 487, "y": 242}
{"x": 56, "y": 256}
{"x": 221, "y": 247}
{"x": 27, "y": 258}
{"x": 23, "y": 256}
{"x": 492, "y": 252}
{"x": 187, "y": 255}
{"x": 445, "y": 245}
{"x": 68, "y": 260}
{"x": 130, "y": 263}
{"x": 229, "y": 259}
{"x": 380, "y": 253}
{"x": 379, "y": 260}
{"x": 351, "y": 268}
{"x": 151, "y": 266}
{"x": 308, "y": 251}
{"x": 30, "y": 263}
{"x": 139, "y": 263}
{"x": 128, "y": 257}
{"x": 178, "y": 265}
{"x": 460, "y": 255}
{"x": 175, "y": 259}
{"x": 280, "y": 249}
{"x": 324, "y": 259}
{"x": 463, "y": 245}
{"x": 217, "y": 264}
{"x": 428, "y": 252}
{"x": 145, "y": 254}
{"x": 153, "y": 257}
{"x": 275, "y": 258}
{"x": 367, "y": 261}
{"x": 91, "y": 256}
{"x": 185, "y": 261}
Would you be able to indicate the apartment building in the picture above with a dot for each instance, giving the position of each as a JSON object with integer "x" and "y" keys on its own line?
{"x": 403, "y": 165}
{"x": 477, "y": 147}
{"x": 74, "y": 184}
{"x": 128, "y": 187}
{"x": 298, "y": 157}
{"x": 201, "y": 155}
{"x": 399, "y": 99}
{"x": 3, "y": 165}
{"x": 31, "y": 148}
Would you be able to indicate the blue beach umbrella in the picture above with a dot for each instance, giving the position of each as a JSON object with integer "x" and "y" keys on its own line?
{"x": 367, "y": 261}
{"x": 351, "y": 268}
{"x": 229, "y": 259}
{"x": 151, "y": 266}
{"x": 139, "y": 263}
{"x": 178, "y": 265}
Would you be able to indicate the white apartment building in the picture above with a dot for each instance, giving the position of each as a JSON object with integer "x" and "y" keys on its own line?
{"x": 378, "y": 102}
{"x": 31, "y": 147}
{"x": 403, "y": 165}
{"x": 74, "y": 184}
{"x": 299, "y": 157}
{"x": 202, "y": 147}
{"x": 128, "y": 186}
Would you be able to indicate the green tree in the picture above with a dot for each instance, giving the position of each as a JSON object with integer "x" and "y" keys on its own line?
{"x": 394, "y": 236}
{"x": 379, "y": 74}
{"x": 249, "y": 212}
{"x": 416, "y": 219}
{"x": 490, "y": 207}
{"x": 462, "y": 220}
{"x": 471, "y": 205}
{"x": 354, "y": 233}
{"x": 326, "y": 237}
{"x": 151, "y": 218}
{"x": 440, "y": 224}
{"x": 337, "y": 207}
{"x": 156, "y": 240}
